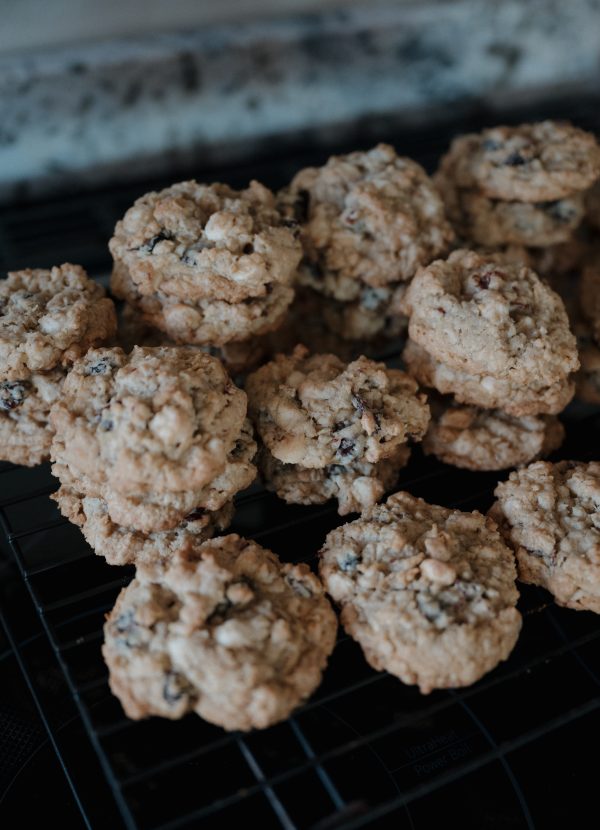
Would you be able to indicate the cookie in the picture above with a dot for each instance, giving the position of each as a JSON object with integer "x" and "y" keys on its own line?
{"x": 529, "y": 163}
{"x": 208, "y": 321}
{"x": 479, "y": 316}
{"x": 157, "y": 422}
{"x": 151, "y": 552}
{"x": 366, "y": 218}
{"x": 195, "y": 242}
{"x": 315, "y": 411}
{"x": 237, "y": 357}
{"x": 356, "y": 486}
{"x": 491, "y": 222}
{"x": 537, "y": 398}
{"x": 488, "y": 439}
{"x": 375, "y": 314}
{"x": 157, "y": 511}
{"x": 49, "y": 318}
{"x": 429, "y": 593}
{"x": 550, "y": 515}
{"x": 25, "y": 434}
{"x": 229, "y": 632}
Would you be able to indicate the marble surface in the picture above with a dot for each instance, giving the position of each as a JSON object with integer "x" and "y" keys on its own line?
{"x": 136, "y": 106}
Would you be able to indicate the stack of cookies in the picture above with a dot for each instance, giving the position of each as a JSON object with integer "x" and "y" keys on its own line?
{"x": 333, "y": 430}
{"x": 522, "y": 185}
{"x": 204, "y": 264}
{"x": 150, "y": 449}
{"x": 494, "y": 336}
{"x": 48, "y": 318}
{"x": 367, "y": 220}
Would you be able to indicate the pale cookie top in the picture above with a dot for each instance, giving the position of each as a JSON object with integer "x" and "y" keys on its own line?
{"x": 231, "y": 633}
{"x": 50, "y": 317}
{"x": 158, "y": 419}
{"x": 550, "y": 514}
{"x": 371, "y": 217}
{"x": 529, "y": 163}
{"x": 196, "y": 241}
{"x": 488, "y": 439}
{"x": 481, "y": 316}
{"x": 315, "y": 410}
{"x": 428, "y": 592}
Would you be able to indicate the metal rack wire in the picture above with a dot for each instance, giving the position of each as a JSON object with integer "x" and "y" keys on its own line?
{"x": 365, "y": 749}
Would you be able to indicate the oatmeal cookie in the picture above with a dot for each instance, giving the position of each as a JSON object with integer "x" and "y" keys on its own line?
{"x": 479, "y": 316}
{"x": 550, "y": 515}
{"x": 25, "y": 434}
{"x": 537, "y": 398}
{"x": 492, "y": 222}
{"x": 195, "y": 242}
{"x": 375, "y": 314}
{"x": 156, "y": 420}
{"x": 230, "y": 633}
{"x": 529, "y": 163}
{"x": 367, "y": 218}
{"x": 157, "y": 511}
{"x": 356, "y": 486}
{"x": 429, "y": 593}
{"x": 315, "y": 411}
{"x": 49, "y": 318}
{"x": 205, "y": 322}
{"x": 150, "y": 552}
{"x": 488, "y": 439}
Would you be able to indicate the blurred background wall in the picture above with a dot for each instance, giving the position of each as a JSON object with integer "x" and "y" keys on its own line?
{"x": 103, "y": 90}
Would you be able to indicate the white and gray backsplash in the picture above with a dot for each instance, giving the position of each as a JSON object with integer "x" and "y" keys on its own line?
{"x": 131, "y": 106}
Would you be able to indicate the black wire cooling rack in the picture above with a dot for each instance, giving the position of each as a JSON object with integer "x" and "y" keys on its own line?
{"x": 365, "y": 749}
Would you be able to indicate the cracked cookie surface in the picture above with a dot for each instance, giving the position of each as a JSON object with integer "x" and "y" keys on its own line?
{"x": 550, "y": 515}
{"x": 158, "y": 421}
{"x": 356, "y": 486}
{"x": 480, "y": 316}
{"x": 429, "y": 593}
{"x": 25, "y": 433}
{"x": 365, "y": 218}
{"x": 195, "y": 242}
{"x": 50, "y": 318}
{"x": 488, "y": 439}
{"x": 530, "y": 163}
{"x": 230, "y": 633}
{"x": 315, "y": 410}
